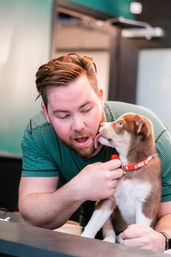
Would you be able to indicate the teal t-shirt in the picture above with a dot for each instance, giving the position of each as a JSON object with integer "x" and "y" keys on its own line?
{"x": 44, "y": 155}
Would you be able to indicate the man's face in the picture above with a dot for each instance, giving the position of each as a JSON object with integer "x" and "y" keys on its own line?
{"x": 75, "y": 112}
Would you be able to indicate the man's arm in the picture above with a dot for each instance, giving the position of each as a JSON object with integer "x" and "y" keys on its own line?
{"x": 144, "y": 237}
{"x": 164, "y": 215}
{"x": 42, "y": 204}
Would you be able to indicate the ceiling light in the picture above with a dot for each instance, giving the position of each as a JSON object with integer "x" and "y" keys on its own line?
{"x": 135, "y": 7}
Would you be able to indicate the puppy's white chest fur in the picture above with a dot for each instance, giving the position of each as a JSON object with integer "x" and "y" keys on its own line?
{"x": 130, "y": 195}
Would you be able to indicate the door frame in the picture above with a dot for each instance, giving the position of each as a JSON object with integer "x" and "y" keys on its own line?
{"x": 124, "y": 63}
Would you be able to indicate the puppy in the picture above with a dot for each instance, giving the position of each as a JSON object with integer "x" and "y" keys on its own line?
{"x": 138, "y": 192}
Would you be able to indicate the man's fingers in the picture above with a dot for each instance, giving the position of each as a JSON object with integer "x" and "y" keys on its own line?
{"x": 113, "y": 164}
{"x": 113, "y": 183}
{"x": 136, "y": 230}
{"x": 118, "y": 173}
{"x": 135, "y": 242}
{"x": 114, "y": 167}
{"x": 129, "y": 234}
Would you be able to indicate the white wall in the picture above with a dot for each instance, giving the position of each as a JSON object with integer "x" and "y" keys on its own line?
{"x": 154, "y": 82}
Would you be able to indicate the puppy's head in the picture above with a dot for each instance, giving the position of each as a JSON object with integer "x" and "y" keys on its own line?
{"x": 128, "y": 130}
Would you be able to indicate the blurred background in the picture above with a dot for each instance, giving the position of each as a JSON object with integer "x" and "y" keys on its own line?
{"x": 130, "y": 42}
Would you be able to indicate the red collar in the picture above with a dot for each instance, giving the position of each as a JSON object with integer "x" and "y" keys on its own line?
{"x": 133, "y": 166}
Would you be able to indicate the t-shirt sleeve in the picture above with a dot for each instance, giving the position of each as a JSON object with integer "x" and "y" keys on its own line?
{"x": 37, "y": 161}
{"x": 163, "y": 144}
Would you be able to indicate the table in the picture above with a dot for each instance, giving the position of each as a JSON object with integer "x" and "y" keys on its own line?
{"x": 20, "y": 239}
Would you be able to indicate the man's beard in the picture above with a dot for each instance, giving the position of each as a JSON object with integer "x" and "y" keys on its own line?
{"x": 84, "y": 152}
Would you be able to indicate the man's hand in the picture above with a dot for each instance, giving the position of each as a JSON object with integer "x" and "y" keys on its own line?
{"x": 144, "y": 237}
{"x": 98, "y": 181}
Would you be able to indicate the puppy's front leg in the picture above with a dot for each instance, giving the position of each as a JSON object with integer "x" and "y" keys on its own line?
{"x": 108, "y": 232}
{"x": 140, "y": 217}
{"x": 102, "y": 212}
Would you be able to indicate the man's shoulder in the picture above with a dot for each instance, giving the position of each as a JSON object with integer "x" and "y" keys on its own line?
{"x": 114, "y": 109}
{"x": 37, "y": 121}
{"x": 119, "y": 108}
{"x": 39, "y": 133}
{"x": 38, "y": 128}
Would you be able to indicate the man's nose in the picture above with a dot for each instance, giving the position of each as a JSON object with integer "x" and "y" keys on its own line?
{"x": 78, "y": 123}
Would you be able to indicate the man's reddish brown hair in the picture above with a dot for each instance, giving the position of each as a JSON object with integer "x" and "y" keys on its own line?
{"x": 64, "y": 70}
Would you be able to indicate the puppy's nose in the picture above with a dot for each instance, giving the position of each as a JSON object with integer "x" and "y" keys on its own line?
{"x": 102, "y": 124}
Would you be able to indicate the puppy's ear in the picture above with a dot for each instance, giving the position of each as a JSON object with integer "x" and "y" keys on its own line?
{"x": 138, "y": 125}
{"x": 141, "y": 126}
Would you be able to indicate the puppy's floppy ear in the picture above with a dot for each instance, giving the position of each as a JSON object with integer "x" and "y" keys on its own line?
{"x": 141, "y": 126}
{"x": 138, "y": 125}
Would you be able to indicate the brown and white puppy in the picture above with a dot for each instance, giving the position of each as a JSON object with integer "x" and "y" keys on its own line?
{"x": 137, "y": 195}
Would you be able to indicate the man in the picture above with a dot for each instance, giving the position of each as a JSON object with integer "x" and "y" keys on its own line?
{"x": 58, "y": 143}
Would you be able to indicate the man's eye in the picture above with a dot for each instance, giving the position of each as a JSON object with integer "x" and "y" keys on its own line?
{"x": 63, "y": 117}
{"x": 86, "y": 110}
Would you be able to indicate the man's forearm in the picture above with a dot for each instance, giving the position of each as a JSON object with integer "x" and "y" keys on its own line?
{"x": 164, "y": 224}
{"x": 50, "y": 210}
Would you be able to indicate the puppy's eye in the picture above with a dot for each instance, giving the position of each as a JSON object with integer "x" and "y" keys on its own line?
{"x": 120, "y": 124}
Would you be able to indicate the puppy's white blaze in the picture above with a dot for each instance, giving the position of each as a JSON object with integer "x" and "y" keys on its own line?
{"x": 137, "y": 191}
{"x": 122, "y": 144}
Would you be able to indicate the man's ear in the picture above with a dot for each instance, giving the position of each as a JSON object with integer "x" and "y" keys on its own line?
{"x": 44, "y": 110}
{"x": 100, "y": 94}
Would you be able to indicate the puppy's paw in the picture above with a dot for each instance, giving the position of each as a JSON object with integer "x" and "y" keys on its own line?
{"x": 119, "y": 239}
{"x": 110, "y": 239}
{"x": 87, "y": 234}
